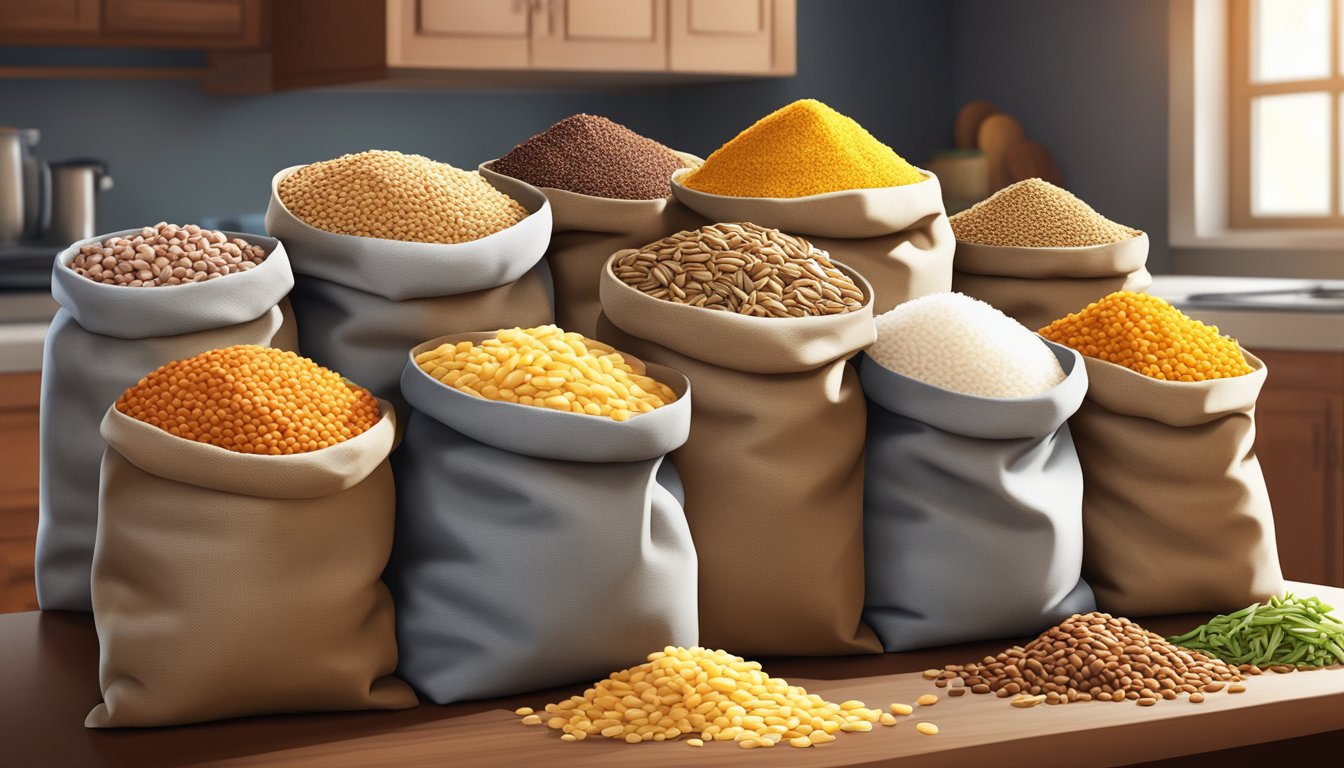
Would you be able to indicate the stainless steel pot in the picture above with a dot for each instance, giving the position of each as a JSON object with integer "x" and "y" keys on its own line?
{"x": 25, "y": 186}
{"x": 75, "y": 185}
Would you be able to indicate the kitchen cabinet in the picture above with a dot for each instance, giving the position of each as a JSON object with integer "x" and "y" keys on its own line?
{"x": 629, "y": 35}
{"x": 203, "y": 24}
{"x": 740, "y": 36}
{"x": 1300, "y": 443}
{"x": 54, "y": 17}
{"x": 489, "y": 43}
{"x": 19, "y": 395}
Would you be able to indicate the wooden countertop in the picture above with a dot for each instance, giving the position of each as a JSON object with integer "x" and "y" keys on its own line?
{"x": 48, "y": 683}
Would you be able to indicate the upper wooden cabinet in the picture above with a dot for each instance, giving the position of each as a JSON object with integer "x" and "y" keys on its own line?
{"x": 50, "y": 17}
{"x": 205, "y": 24}
{"x": 732, "y": 36}
{"x": 606, "y": 35}
{"x": 527, "y": 42}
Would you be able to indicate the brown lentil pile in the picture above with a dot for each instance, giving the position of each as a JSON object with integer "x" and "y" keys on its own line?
{"x": 392, "y": 196}
{"x": 592, "y": 155}
{"x": 1095, "y": 657}
{"x": 166, "y": 254}
{"x": 713, "y": 694}
{"x": 1036, "y": 214}
{"x": 252, "y": 399}
{"x": 742, "y": 268}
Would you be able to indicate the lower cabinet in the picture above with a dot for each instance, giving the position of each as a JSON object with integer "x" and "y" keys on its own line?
{"x": 1300, "y": 443}
{"x": 18, "y": 490}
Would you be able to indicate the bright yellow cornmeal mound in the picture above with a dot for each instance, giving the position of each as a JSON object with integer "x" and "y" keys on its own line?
{"x": 806, "y": 148}
{"x": 1148, "y": 335}
{"x": 548, "y": 368}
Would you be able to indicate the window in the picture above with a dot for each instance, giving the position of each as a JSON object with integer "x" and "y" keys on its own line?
{"x": 1286, "y": 105}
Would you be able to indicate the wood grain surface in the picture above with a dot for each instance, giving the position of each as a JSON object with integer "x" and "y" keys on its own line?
{"x": 48, "y": 664}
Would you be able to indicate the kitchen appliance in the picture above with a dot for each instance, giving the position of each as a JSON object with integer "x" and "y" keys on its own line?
{"x": 75, "y": 185}
{"x": 25, "y": 186}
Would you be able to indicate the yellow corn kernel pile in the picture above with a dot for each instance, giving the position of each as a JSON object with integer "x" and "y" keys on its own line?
{"x": 711, "y": 694}
{"x": 548, "y": 368}
{"x": 252, "y": 399}
{"x": 805, "y": 148}
{"x": 1036, "y": 214}
{"x": 1148, "y": 335}
{"x": 393, "y": 196}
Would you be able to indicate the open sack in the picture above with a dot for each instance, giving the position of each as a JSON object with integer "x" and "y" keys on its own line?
{"x": 229, "y": 584}
{"x": 773, "y": 468}
{"x": 898, "y": 238}
{"x": 586, "y": 230}
{"x": 103, "y": 340}
{"x": 973, "y": 522}
{"x": 1176, "y": 516}
{"x": 1037, "y": 286}
{"x": 361, "y": 302}
{"x": 536, "y": 548}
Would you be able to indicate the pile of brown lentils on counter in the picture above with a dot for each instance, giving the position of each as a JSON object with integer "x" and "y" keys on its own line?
{"x": 1093, "y": 657}
{"x": 166, "y": 254}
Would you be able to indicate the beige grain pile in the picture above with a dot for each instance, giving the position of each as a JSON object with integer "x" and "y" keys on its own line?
{"x": 1036, "y": 214}
{"x": 393, "y": 196}
{"x": 742, "y": 268}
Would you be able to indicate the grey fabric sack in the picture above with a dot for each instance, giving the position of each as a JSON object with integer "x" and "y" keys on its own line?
{"x": 361, "y": 302}
{"x": 535, "y": 548}
{"x": 972, "y": 522}
{"x": 103, "y": 340}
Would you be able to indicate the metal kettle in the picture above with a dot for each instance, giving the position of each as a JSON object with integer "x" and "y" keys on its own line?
{"x": 25, "y": 186}
{"x": 75, "y": 185}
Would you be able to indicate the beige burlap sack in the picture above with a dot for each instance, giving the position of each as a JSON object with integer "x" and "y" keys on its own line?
{"x": 1176, "y": 517}
{"x": 227, "y": 584}
{"x": 586, "y": 230}
{"x": 896, "y": 237}
{"x": 773, "y": 468}
{"x": 1037, "y": 286}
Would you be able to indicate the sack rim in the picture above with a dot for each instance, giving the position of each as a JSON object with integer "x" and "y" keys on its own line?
{"x": 313, "y": 474}
{"x": 1090, "y": 261}
{"x": 203, "y": 305}
{"x": 545, "y": 433}
{"x": 1175, "y": 403}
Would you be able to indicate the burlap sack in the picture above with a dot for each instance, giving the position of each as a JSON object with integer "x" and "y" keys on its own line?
{"x": 773, "y": 468}
{"x": 896, "y": 237}
{"x": 361, "y": 302}
{"x": 973, "y": 510}
{"x": 535, "y": 548}
{"x": 1176, "y": 518}
{"x": 227, "y": 584}
{"x": 1037, "y": 286}
{"x": 587, "y": 230}
{"x": 104, "y": 339}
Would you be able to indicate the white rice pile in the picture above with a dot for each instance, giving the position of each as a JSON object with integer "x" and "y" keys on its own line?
{"x": 957, "y": 343}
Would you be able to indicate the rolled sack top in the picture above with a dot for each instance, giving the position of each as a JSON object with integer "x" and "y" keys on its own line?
{"x": 849, "y": 213}
{"x": 143, "y": 312}
{"x": 545, "y": 433}
{"x": 1106, "y": 260}
{"x": 751, "y": 344}
{"x": 421, "y": 270}
{"x": 1174, "y": 403}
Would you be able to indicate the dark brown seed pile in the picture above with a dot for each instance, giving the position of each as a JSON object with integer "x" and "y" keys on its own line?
{"x": 166, "y": 254}
{"x": 593, "y": 156}
{"x": 1097, "y": 657}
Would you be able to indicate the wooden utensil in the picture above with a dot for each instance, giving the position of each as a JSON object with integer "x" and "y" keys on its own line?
{"x": 967, "y": 125}
{"x": 1030, "y": 159}
{"x": 996, "y": 135}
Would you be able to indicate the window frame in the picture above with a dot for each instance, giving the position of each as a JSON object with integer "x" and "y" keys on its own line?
{"x": 1242, "y": 92}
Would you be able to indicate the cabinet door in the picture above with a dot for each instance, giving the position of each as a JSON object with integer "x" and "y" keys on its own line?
{"x": 49, "y": 16}
{"x": 613, "y": 35}
{"x": 184, "y": 23}
{"x": 458, "y": 34}
{"x": 1298, "y": 441}
{"x": 732, "y": 36}
{"x": 18, "y": 490}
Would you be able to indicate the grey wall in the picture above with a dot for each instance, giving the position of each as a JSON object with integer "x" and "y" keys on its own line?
{"x": 1089, "y": 80}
